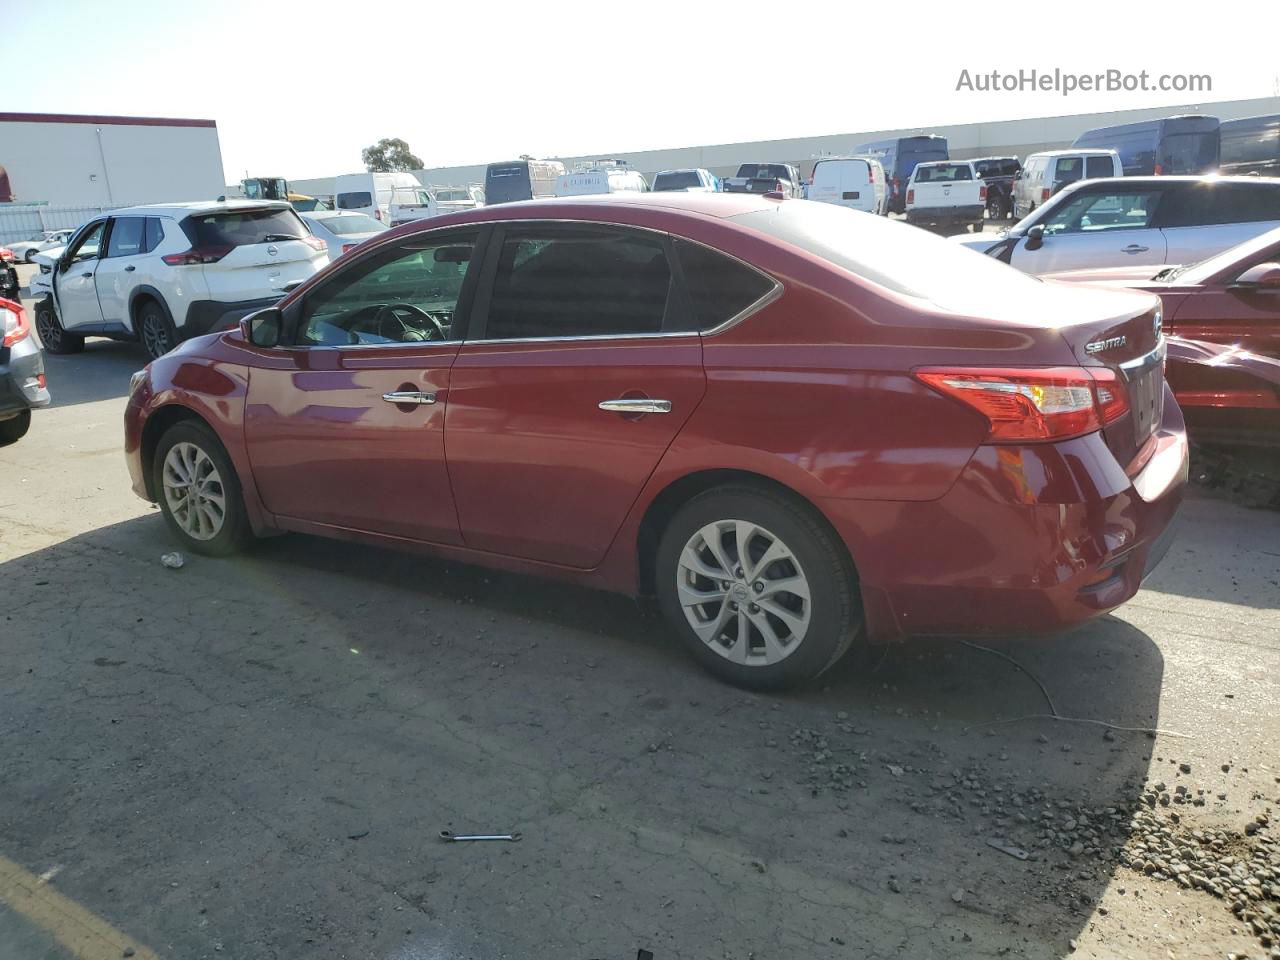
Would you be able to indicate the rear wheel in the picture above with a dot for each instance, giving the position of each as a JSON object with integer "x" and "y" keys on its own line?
{"x": 15, "y": 428}
{"x": 155, "y": 329}
{"x": 198, "y": 490}
{"x": 53, "y": 337}
{"x": 759, "y": 589}
{"x": 30, "y": 256}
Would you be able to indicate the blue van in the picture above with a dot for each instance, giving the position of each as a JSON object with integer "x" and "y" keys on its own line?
{"x": 1171, "y": 146}
{"x": 899, "y": 157}
{"x": 1250, "y": 146}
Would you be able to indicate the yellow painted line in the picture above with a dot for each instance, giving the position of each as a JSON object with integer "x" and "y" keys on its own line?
{"x": 85, "y": 935}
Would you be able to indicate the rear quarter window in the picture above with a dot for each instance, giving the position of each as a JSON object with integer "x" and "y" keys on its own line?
{"x": 719, "y": 286}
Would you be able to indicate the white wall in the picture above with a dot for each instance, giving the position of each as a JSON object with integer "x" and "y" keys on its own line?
{"x": 110, "y": 164}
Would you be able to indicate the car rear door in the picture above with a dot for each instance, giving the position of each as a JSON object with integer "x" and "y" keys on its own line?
{"x": 1201, "y": 218}
{"x": 1103, "y": 225}
{"x": 345, "y": 426}
{"x": 581, "y": 371}
{"x": 117, "y": 272}
{"x": 253, "y": 253}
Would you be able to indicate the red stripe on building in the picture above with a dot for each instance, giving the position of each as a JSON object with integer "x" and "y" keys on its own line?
{"x": 118, "y": 121}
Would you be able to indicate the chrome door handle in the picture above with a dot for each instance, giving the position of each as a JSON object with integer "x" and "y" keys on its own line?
{"x": 409, "y": 396}
{"x": 1134, "y": 248}
{"x": 637, "y": 405}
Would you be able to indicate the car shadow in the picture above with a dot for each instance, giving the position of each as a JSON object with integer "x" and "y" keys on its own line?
{"x": 266, "y": 747}
{"x": 101, "y": 372}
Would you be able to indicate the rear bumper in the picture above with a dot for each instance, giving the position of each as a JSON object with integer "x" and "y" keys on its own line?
{"x": 208, "y": 316}
{"x": 966, "y": 214}
{"x": 21, "y": 368}
{"x": 1030, "y": 539}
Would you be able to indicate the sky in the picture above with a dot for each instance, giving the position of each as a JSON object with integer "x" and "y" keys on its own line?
{"x": 298, "y": 88}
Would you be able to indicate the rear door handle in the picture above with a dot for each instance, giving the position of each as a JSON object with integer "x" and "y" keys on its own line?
{"x": 636, "y": 405}
{"x": 1134, "y": 248}
{"x": 130, "y": 268}
{"x": 88, "y": 273}
{"x": 409, "y": 396}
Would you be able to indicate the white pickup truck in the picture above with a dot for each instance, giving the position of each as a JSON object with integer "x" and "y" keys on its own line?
{"x": 946, "y": 194}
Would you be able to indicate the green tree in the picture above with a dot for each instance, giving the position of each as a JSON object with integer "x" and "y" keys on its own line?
{"x": 389, "y": 153}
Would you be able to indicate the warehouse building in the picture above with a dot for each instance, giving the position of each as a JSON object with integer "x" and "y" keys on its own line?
{"x": 67, "y": 160}
{"x": 997, "y": 138}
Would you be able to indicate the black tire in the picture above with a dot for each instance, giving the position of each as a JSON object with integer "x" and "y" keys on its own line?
{"x": 234, "y": 532}
{"x": 834, "y": 605}
{"x": 154, "y": 329}
{"x": 15, "y": 428}
{"x": 30, "y": 255}
{"x": 53, "y": 336}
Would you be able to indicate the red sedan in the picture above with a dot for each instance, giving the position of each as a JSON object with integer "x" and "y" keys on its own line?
{"x": 798, "y": 426}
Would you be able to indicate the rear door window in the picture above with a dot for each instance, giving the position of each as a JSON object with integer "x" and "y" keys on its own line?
{"x": 1068, "y": 169}
{"x": 353, "y": 201}
{"x": 126, "y": 238}
{"x": 1095, "y": 167}
{"x": 578, "y": 282}
{"x": 719, "y": 287}
{"x": 1207, "y": 204}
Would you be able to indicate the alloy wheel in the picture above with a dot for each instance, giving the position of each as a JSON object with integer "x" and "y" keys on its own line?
{"x": 193, "y": 491}
{"x": 155, "y": 334}
{"x": 48, "y": 329}
{"x": 743, "y": 592}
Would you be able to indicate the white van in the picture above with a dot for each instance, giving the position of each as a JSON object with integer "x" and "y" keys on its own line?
{"x": 1044, "y": 174}
{"x": 600, "y": 178}
{"x": 854, "y": 182}
{"x": 389, "y": 197}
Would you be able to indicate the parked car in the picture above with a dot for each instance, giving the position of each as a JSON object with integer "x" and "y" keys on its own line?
{"x": 391, "y": 198}
{"x": 857, "y": 183}
{"x": 1045, "y": 173}
{"x": 654, "y": 395}
{"x": 781, "y": 178}
{"x": 1170, "y": 146}
{"x": 27, "y": 249}
{"x": 22, "y": 383}
{"x": 342, "y": 230}
{"x": 9, "y": 283}
{"x": 1137, "y": 221}
{"x": 1250, "y": 146}
{"x": 523, "y": 179}
{"x": 946, "y": 195}
{"x": 600, "y": 177}
{"x": 169, "y": 271}
{"x": 687, "y": 180}
{"x": 999, "y": 174}
{"x": 455, "y": 199}
{"x": 899, "y": 157}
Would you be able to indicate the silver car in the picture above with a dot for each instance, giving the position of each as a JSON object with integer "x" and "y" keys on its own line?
{"x": 341, "y": 229}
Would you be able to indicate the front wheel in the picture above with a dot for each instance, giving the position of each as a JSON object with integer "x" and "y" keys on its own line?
{"x": 198, "y": 490}
{"x": 760, "y": 590}
{"x": 15, "y": 428}
{"x": 53, "y": 336}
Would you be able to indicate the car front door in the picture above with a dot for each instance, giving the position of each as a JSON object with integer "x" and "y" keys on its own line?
{"x": 581, "y": 372}
{"x": 1094, "y": 226}
{"x": 74, "y": 291}
{"x": 345, "y": 423}
{"x": 117, "y": 272}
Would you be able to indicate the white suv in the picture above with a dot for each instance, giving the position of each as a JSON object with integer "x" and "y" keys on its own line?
{"x": 166, "y": 272}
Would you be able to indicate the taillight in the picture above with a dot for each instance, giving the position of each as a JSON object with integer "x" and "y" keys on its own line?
{"x": 1045, "y": 194}
{"x": 378, "y": 213}
{"x": 13, "y": 320}
{"x": 6, "y": 254}
{"x": 196, "y": 256}
{"x": 348, "y": 246}
{"x": 982, "y": 192}
{"x": 911, "y": 196}
{"x": 315, "y": 243}
{"x": 871, "y": 174}
{"x": 1029, "y": 404}
{"x": 1159, "y": 170}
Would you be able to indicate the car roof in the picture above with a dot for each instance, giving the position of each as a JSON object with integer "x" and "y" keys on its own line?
{"x": 197, "y": 206}
{"x": 1071, "y": 152}
{"x": 1207, "y": 178}
{"x": 717, "y": 205}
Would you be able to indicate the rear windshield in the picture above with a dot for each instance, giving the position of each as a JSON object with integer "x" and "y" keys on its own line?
{"x": 764, "y": 171}
{"x": 351, "y": 223}
{"x": 997, "y": 168}
{"x": 353, "y": 201}
{"x": 890, "y": 253}
{"x": 944, "y": 173}
{"x": 237, "y": 228}
{"x": 676, "y": 181}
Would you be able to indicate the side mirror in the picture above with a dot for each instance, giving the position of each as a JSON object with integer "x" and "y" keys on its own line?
{"x": 262, "y": 328}
{"x": 1263, "y": 276}
{"x": 1035, "y": 237}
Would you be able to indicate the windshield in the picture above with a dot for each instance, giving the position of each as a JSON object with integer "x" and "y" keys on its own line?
{"x": 679, "y": 180}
